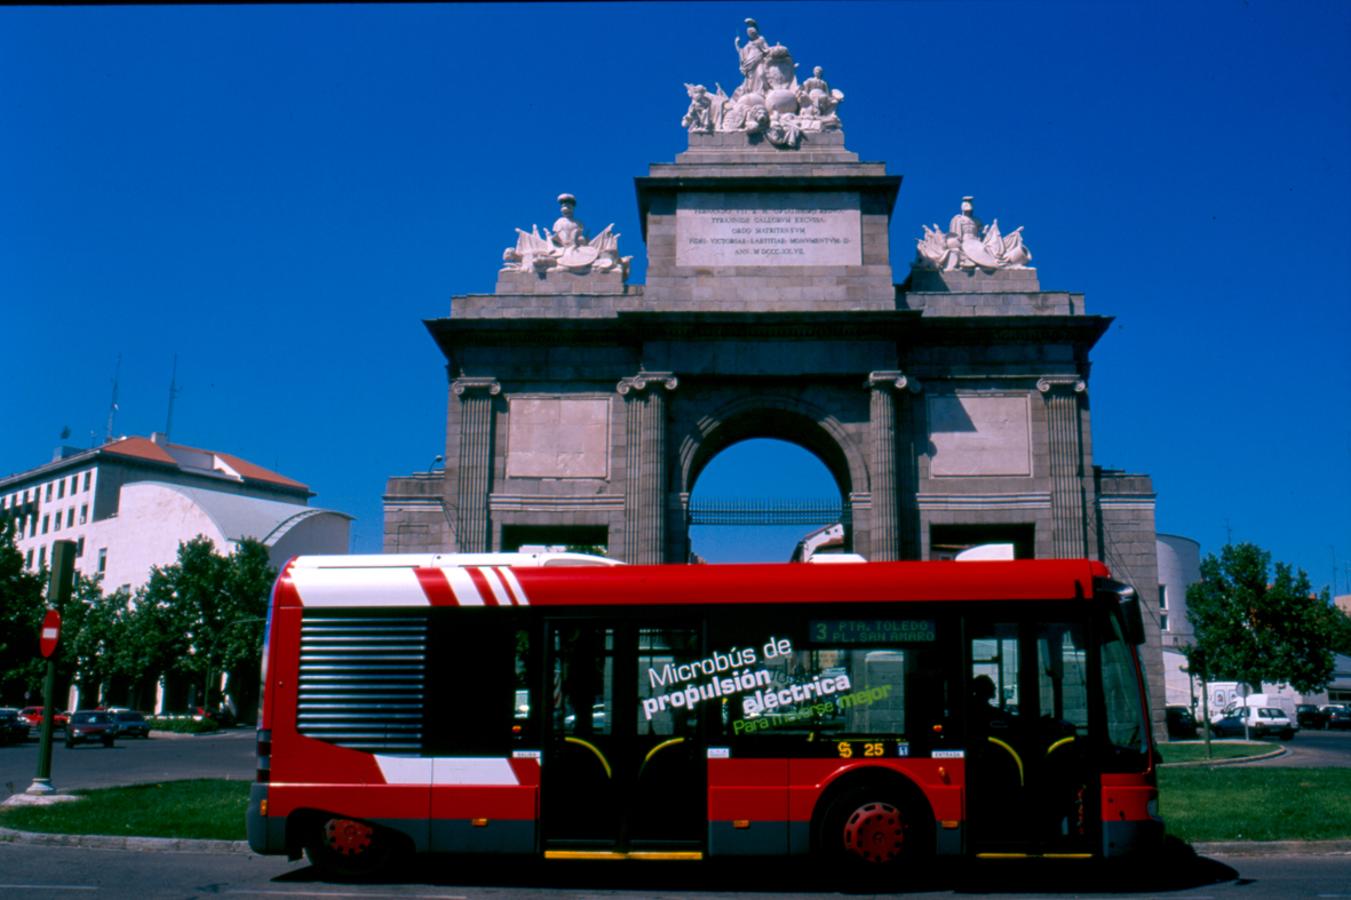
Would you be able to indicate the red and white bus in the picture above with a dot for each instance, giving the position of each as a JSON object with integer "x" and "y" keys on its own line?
{"x": 871, "y": 714}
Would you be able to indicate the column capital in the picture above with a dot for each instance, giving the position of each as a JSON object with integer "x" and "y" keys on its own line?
{"x": 641, "y": 381}
{"x": 893, "y": 379}
{"x": 460, "y": 385}
{"x": 1048, "y": 383}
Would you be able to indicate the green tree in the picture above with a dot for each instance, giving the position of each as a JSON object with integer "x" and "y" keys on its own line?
{"x": 1253, "y": 627}
{"x": 21, "y": 610}
{"x": 202, "y": 617}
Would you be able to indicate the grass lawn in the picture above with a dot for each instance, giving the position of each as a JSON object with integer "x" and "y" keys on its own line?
{"x": 1179, "y": 753}
{"x": 1255, "y": 804}
{"x": 200, "y": 808}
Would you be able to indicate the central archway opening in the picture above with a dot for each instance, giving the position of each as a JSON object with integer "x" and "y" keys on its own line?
{"x": 750, "y": 480}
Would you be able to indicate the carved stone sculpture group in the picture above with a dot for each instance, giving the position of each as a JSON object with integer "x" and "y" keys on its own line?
{"x": 566, "y": 248}
{"x": 968, "y": 244}
{"x": 769, "y": 101}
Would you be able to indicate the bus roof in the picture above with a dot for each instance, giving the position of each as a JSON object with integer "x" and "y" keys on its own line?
{"x": 422, "y": 581}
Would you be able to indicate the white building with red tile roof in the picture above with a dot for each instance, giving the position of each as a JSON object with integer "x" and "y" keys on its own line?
{"x": 129, "y": 503}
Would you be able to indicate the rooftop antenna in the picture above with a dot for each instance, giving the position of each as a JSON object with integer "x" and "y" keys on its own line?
{"x": 112, "y": 407}
{"x": 173, "y": 392}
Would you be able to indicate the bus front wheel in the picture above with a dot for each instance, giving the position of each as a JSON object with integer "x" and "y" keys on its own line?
{"x": 347, "y": 848}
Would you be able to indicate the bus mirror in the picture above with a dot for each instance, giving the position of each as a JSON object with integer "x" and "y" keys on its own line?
{"x": 1128, "y": 603}
{"x": 1131, "y": 618}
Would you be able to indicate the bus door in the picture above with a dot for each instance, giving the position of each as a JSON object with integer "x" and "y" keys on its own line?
{"x": 624, "y": 755}
{"x": 1031, "y": 786}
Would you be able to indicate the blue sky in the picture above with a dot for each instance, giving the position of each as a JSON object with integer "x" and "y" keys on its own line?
{"x": 280, "y": 195}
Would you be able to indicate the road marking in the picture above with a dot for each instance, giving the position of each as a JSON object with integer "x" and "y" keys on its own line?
{"x": 48, "y": 887}
{"x": 333, "y": 893}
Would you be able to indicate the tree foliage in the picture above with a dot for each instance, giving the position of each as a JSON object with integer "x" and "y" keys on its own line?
{"x": 1253, "y": 627}
{"x": 21, "y": 609}
{"x": 199, "y": 617}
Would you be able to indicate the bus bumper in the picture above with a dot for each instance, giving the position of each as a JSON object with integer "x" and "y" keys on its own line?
{"x": 267, "y": 834}
{"x": 1139, "y": 837}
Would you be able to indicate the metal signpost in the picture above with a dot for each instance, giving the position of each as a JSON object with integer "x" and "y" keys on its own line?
{"x": 58, "y": 593}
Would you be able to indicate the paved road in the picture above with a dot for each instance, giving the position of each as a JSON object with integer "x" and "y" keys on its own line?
{"x": 58, "y": 872}
{"x": 1313, "y": 749}
{"x": 229, "y": 754}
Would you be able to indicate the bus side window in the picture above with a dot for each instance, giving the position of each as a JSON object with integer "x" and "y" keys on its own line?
{"x": 472, "y": 672}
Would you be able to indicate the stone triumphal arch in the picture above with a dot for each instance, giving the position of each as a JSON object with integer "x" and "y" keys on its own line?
{"x": 951, "y": 408}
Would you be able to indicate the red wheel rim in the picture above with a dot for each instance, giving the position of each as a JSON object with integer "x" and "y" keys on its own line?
{"x": 875, "y": 833}
{"x": 348, "y": 837}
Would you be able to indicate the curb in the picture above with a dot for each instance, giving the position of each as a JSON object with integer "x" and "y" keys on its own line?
{"x": 1237, "y": 760}
{"x": 1273, "y": 848}
{"x": 111, "y": 842}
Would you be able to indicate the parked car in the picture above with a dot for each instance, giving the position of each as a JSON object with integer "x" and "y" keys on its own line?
{"x": 1308, "y": 715}
{"x": 33, "y": 715}
{"x": 87, "y": 725}
{"x": 1261, "y": 721}
{"x": 1181, "y": 723}
{"x": 13, "y": 727}
{"x": 1337, "y": 716}
{"x": 129, "y": 723}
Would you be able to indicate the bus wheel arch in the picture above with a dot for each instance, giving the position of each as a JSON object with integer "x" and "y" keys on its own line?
{"x": 873, "y": 819}
{"x": 343, "y": 846}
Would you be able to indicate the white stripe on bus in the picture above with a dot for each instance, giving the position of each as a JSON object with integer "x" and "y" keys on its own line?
{"x": 358, "y": 587}
{"x": 510, "y": 578}
{"x": 495, "y": 583}
{"x": 466, "y": 592}
{"x": 446, "y": 770}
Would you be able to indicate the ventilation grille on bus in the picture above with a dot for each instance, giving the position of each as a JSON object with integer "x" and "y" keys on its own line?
{"x": 362, "y": 681}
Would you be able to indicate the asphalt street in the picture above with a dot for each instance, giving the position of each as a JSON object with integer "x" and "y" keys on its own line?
{"x": 229, "y": 754}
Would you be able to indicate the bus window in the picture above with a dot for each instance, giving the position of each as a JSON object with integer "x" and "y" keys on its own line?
{"x": 994, "y": 655}
{"x": 841, "y": 679}
{"x": 662, "y": 650}
{"x": 1126, "y": 732}
{"x": 1062, "y": 678}
{"x": 583, "y": 680}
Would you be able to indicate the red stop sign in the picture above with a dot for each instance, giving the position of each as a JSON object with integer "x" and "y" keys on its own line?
{"x": 51, "y": 632}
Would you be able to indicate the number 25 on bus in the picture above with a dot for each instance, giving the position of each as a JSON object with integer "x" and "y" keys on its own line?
{"x": 873, "y": 715}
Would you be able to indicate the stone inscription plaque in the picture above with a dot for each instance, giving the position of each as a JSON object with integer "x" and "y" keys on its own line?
{"x": 797, "y": 228}
{"x": 558, "y": 437}
{"x": 979, "y": 435}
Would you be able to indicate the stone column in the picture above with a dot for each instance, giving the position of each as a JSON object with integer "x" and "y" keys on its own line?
{"x": 886, "y": 527}
{"x": 1068, "y": 516}
{"x": 645, "y": 458}
{"x": 474, "y": 469}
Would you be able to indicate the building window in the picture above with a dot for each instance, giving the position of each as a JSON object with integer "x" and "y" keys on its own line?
{"x": 28, "y": 560}
{"x": 79, "y": 547}
{"x": 86, "y": 480}
{"x": 1163, "y": 596}
{"x": 103, "y": 560}
{"x": 49, "y": 490}
{"x": 56, "y": 523}
{"x": 70, "y": 517}
{"x": 32, "y": 526}
{"x": 42, "y": 556}
{"x": 1163, "y": 621}
{"x": 84, "y": 513}
{"x": 61, "y": 489}
{"x": 45, "y": 520}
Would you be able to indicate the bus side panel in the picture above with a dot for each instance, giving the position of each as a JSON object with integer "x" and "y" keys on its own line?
{"x": 747, "y": 807}
{"x": 1130, "y": 824}
{"x": 940, "y": 780}
{"x": 496, "y": 818}
{"x": 313, "y": 775}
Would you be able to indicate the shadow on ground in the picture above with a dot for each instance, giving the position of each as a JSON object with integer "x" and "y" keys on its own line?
{"x": 1176, "y": 869}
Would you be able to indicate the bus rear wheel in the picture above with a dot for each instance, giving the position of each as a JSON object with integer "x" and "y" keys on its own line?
{"x": 873, "y": 829}
{"x": 347, "y": 848}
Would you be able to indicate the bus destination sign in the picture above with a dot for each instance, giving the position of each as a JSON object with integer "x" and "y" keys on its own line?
{"x": 872, "y": 631}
